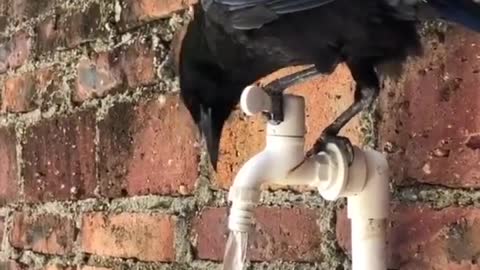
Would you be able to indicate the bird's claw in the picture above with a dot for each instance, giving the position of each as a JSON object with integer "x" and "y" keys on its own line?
{"x": 320, "y": 145}
{"x": 342, "y": 142}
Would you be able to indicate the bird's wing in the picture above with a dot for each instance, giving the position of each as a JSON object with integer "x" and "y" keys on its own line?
{"x": 251, "y": 14}
{"x": 464, "y": 12}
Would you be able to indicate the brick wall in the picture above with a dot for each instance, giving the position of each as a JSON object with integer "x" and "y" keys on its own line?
{"x": 101, "y": 166}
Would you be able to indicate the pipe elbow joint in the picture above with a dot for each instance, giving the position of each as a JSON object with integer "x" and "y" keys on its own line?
{"x": 361, "y": 205}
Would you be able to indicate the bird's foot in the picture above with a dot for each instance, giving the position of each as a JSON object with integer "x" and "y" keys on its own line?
{"x": 342, "y": 142}
{"x": 276, "y": 115}
{"x": 321, "y": 143}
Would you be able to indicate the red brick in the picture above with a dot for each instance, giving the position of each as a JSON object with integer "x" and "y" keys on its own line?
{"x": 3, "y": 23}
{"x": 430, "y": 122}
{"x": 19, "y": 94}
{"x": 325, "y": 96}
{"x": 23, "y": 93}
{"x": 108, "y": 72}
{"x": 290, "y": 234}
{"x": 69, "y": 31}
{"x": 59, "y": 158}
{"x": 12, "y": 265}
{"x": 137, "y": 62}
{"x": 45, "y": 233}
{"x": 423, "y": 238}
{"x": 49, "y": 36}
{"x": 27, "y": 9}
{"x": 147, "y": 237}
{"x": 95, "y": 268}
{"x": 15, "y": 52}
{"x": 5, "y": 7}
{"x": 136, "y": 12}
{"x": 84, "y": 26}
{"x": 2, "y": 230}
{"x": 57, "y": 267}
{"x": 8, "y": 165}
{"x": 97, "y": 77}
{"x": 148, "y": 148}
{"x": 176, "y": 47}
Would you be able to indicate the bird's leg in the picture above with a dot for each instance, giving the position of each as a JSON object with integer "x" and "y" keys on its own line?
{"x": 366, "y": 91}
{"x": 276, "y": 88}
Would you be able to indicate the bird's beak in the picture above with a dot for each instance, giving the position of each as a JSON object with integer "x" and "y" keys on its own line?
{"x": 211, "y": 135}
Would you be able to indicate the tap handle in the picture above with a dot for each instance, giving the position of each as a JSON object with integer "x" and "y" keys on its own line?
{"x": 255, "y": 100}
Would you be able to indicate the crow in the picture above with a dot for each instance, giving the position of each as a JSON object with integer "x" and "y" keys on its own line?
{"x": 230, "y": 44}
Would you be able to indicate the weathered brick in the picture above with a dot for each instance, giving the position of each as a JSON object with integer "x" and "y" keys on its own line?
{"x": 5, "y": 7}
{"x": 430, "y": 119}
{"x": 97, "y": 77}
{"x": 19, "y": 94}
{"x": 15, "y": 52}
{"x": 3, "y": 22}
{"x": 24, "y": 92}
{"x": 49, "y": 34}
{"x": 148, "y": 148}
{"x": 176, "y": 47}
{"x": 290, "y": 234}
{"x": 57, "y": 267}
{"x": 136, "y": 12}
{"x": 137, "y": 62}
{"x": 12, "y": 265}
{"x": 59, "y": 158}
{"x": 8, "y": 165}
{"x": 45, "y": 233}
{"x": 95, "y": 268}
{"x": 83, "y": 26}
{"x": 109, "y": 72}
{"x": 147, "y": 237}
{"x": 27, "y": 9}
{"x": 69, "y": 31}
{"x": 326, "y": 97}
{"x": 2, "y": 230}
{"x": 424, "y": 238}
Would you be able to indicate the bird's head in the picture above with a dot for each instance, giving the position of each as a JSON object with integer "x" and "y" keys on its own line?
{"x": 205, "y": 89}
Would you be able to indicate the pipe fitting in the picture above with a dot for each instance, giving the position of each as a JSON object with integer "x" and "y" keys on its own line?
{"x": 244, "y": 200}
{"x": 364, "y": 182}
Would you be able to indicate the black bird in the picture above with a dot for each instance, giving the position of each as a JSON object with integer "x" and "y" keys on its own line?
{"x": 230, "y": 44}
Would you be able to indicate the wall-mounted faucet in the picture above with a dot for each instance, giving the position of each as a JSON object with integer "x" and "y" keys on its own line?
{"x": 364, "y": 183}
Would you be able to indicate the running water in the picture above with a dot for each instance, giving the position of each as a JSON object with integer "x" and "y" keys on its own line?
{"x": 235, "y": 251}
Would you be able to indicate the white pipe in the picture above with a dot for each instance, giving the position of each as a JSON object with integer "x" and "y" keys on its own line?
{"x": 369, "y": 211}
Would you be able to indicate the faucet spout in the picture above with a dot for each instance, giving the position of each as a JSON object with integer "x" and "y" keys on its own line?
{"x": 285, "y": 146}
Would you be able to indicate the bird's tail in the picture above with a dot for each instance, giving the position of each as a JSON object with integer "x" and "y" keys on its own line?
{"x": 464, "y": 12}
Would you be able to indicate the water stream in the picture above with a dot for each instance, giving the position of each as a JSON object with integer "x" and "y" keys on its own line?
{"x": 235, "y": 251}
